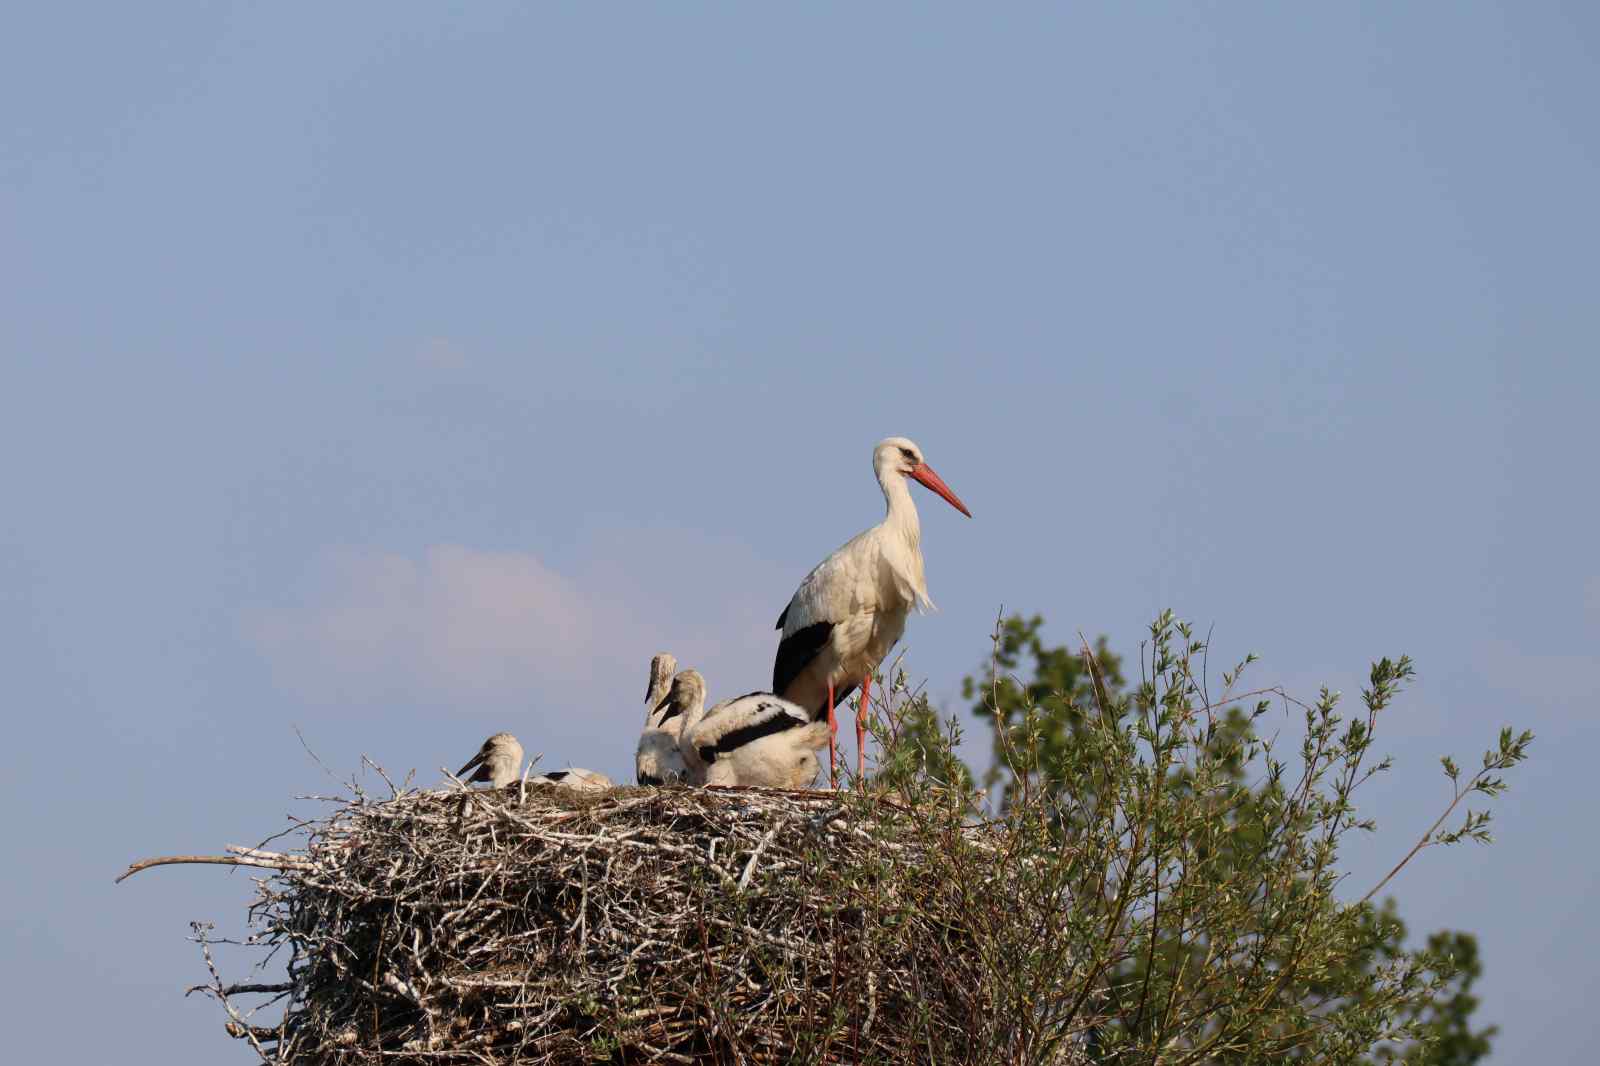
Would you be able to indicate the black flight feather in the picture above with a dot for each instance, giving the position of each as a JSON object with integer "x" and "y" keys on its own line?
{"x": 795, "y": 653}
{"x": 840, "y": 694}
{"x": 738, "y": 738}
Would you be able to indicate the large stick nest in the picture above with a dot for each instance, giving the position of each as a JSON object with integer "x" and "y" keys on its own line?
{"x": 538, "y": 924}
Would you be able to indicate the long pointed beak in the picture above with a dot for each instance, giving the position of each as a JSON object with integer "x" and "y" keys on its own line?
{"x": 924, "y": 473}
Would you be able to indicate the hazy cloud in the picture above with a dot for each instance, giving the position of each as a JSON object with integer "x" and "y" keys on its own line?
{"x": 441, "y": 353}
{"x": 459, "y": 622}
{"x": 481, "y": 628}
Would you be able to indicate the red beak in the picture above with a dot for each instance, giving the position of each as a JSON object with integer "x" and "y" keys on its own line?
{"x": 924, "y": 473}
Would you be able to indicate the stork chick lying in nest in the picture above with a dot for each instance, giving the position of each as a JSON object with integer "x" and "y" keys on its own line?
{"x": 756, "y": 739}
{"x": 499, "y": 762}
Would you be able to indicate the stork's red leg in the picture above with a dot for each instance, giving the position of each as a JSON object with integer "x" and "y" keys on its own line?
{"x": 833, "y": 742}
{"x": 861, "y": 729}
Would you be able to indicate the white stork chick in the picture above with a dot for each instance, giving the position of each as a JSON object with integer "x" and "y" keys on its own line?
{"x": 758, "y": 739}
{"x": 657, "y": 760}
{"x": 679, "y": 710}
{"x": 499, "y": 761}
{"x": 573, "y": 777}
{"x": 851, "y": 609}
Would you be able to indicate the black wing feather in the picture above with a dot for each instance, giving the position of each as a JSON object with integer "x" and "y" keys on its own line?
{"x": 738, "y": 738}
{"x": 795, "y": 653}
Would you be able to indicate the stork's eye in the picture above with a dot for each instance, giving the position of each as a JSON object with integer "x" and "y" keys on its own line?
{"x": 909, "y": 455}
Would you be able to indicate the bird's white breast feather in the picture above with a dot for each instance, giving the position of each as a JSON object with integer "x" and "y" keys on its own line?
{"x": 875, "y": 571}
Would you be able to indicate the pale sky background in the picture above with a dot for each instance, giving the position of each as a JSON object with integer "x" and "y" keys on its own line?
{"x": 404, "y": 375}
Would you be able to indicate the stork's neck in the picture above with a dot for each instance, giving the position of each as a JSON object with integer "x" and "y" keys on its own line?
{"x": 902, "y": 512}
{"x": 694, "y": 708}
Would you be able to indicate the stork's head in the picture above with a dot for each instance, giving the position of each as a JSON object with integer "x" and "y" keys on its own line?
{"x": 501, "y": 746}
{"x": 900, "y": 457}
{"x": 686, "y": 696}
{"x": 662, "y": 667}
{"x": 498, "y": 760}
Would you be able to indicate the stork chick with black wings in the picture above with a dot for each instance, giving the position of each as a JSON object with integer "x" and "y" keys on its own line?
{"x": 758, "y": 739}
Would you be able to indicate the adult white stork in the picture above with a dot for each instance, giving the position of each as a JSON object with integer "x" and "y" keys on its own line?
{"x": 851, "y": 609}
{"x": 657, "y": 760}
{"x": 498, "y": 761}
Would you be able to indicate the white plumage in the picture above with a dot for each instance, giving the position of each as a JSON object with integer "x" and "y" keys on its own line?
{"x": 851, "y": 609}
{"x": 498, "y": 762}
{"x": 657, "y": 760}
{"x": 574, "y": 777}
{"x": 758, "y": 739}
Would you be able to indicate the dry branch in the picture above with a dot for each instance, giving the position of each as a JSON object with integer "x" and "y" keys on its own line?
{"x": 282, "y": 862}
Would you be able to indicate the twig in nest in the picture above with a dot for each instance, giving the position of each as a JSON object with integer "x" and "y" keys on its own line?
{"x": 281, "y": 863}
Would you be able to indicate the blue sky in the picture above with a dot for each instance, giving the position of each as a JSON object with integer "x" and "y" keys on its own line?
{"x": 402, "y": 375}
